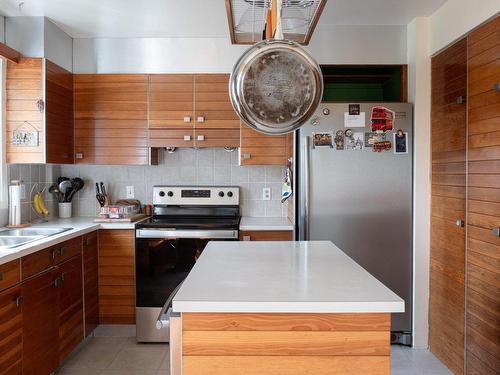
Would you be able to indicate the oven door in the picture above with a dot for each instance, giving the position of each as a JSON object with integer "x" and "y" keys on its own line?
{"x": 162, "y": 262}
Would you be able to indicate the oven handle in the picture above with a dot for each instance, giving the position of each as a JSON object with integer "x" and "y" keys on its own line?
{"x": 166, "y": 311}
{"x": 174, "y": 234}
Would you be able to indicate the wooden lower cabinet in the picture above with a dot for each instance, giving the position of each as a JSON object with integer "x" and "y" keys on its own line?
{"x": 11, "y": 331}
{"x": 41, "y": 323}
{"x": 266, "y": 235}
{"x": 90, "y": 282}
{"x": 117, "y": 276}
{"x": 70, "y": 305}
{"x": 10, "y": 274}
{"x": 246, "y": 343}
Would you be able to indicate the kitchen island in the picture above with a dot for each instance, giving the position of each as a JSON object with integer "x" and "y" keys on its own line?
{"x": 281, "y": 308}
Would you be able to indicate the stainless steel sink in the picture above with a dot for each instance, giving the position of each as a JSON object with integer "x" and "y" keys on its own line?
{"x": 10, "y": 242}
{"x": 10, "y": 238}
{"x": 44, "y": 232}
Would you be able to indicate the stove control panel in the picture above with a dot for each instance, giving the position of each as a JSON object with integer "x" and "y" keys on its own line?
{"x": 196, "y": 195}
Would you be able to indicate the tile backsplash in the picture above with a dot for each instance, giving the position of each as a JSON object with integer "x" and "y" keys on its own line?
{"x": 212, "y": 166}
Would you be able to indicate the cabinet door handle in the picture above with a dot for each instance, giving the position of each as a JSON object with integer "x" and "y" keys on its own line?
{"x": 78, "y": 155}
{"x": 496, "y": 231}
{"x": 55, "y": 253}
{"x": 496, "y": 86}
{"x": 19, "y": 300}
{"x": 460, "y": 99}
{"x": 200, "y": 138}
{"x": 187, "y": 138}
{"x": 61, "y": 251}
{"x": 87, "y": 241}
{"x": 56, "y": 282}
{"x": 246, "y": 156}
{"x": 63, "y": 276}
{"x": 187, "y": 119}
{"x": 460, "y": 223}
{"x": 200, "y": 119}
{"x": 247, "y": 238}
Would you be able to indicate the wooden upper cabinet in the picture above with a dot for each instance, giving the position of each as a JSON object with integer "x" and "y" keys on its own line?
{"x": 111, "y": 119}
{"x": 46, "y": 107}
{"x": 216, "y": 122}
{"x": 24, "y": 96}
{"x": 59, "y": 135}
{"x": 171, "y": 110}
{"x": 262, "y": 149}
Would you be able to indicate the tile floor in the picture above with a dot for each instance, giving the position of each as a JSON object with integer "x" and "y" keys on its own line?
{"x": 113, "y": 351}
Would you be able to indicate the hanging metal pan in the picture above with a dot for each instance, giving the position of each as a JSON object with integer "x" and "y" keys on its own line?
{"x": 276, "y": 85}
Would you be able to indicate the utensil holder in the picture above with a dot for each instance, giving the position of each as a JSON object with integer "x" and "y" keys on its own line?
{"x": 64, "y": 210}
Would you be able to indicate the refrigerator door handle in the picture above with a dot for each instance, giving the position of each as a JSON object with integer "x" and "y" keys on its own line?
{"x": 304, "y": 214}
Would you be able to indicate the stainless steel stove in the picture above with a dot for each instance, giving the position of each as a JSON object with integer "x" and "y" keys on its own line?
{"x": 185, "y": 219}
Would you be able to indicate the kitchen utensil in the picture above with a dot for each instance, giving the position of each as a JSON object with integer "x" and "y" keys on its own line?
{"x": 61, "y": 179}
{"x": 276, "y": 85}
{"x": 54, "y": 190}
{"x": 77, "y": 185}
{"x": 105, "y": 194}
{"x": 99, "y": 196}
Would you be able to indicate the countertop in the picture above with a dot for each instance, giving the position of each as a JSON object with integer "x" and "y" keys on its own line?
{"x": 284, "y": 277}
{"x": 79, "y": 225}
{"x": 265, "y": 223}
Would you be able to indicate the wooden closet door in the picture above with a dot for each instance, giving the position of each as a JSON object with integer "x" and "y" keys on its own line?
{"x": 483, "y": 253}
{"x": 447, "y": 256}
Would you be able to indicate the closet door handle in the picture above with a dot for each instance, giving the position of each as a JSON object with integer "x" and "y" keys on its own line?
{"x": 496, "y": 231}
{"x": 460, "y": 223}
{"x": 496, "y": 86}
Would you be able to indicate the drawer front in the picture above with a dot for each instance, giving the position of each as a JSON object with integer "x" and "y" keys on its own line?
{"x": 41, "y": 260}
{"x": 10, "y": 274}
{"x": 68, "y": 249}
{"x": 271, "y": 235}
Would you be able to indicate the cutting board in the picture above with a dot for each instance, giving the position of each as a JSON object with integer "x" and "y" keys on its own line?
{"x": 129, "y": 219}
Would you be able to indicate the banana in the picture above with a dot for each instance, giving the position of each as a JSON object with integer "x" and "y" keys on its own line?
{"x": 39, "y": 204}
{"x": 36, "y": 206}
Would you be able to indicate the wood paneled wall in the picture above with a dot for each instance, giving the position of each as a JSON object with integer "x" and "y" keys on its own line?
{"x": 24, "y": 90}
{"x": 447, "y": 256}
{"x": 116, "y": 276}
{"x": 483, "y": 254}
{"x": 111, "y": 118}
{"x": 242, "y": 343}
{"x": 58, "y": 114}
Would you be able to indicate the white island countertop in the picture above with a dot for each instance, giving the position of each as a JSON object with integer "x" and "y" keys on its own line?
{"x": 265, "y": 223}
{"x": 282, "y": 277}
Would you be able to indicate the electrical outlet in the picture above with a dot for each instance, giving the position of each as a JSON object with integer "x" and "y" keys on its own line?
{"x": 22, "y": 191}
{"x": 266, "y": 194}
{"x": 130, "y": 192}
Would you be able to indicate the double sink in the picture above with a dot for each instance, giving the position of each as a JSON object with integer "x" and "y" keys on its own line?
{"x": 10, "y": 238}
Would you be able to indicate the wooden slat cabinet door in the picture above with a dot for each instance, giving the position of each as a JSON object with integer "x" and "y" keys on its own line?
{"x": 215, "y": 121}
{"x": 171, "y": 110}
{"x": 70, "y": 306}
{"x": 111, "y": 119}
{"x": 11, "y": 331}
{"x": 116, "y": 276}
{"x": 10, "y": 274}
{"x": 447, "y": 253}
{"x": 483, "y": 201}
{"x": 58, "y": 115}
{"x": 91, "y": 282}
{"x": 262, "y": 149}
{"x": 24, "y": 93}
{"x": 271, "y": 235}
{"x": 41, "y": 323}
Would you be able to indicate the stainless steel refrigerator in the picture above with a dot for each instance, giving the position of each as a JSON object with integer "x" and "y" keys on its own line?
{"x": 359, "y": 199}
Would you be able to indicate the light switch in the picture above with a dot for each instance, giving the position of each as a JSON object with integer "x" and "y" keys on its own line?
{"x": 130, "y": 192}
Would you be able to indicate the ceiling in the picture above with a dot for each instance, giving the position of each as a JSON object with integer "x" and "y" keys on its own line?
{"x": 194, "y": 18}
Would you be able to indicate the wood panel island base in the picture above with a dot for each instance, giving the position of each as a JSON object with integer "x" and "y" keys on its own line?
{"x": 281, "y": 308}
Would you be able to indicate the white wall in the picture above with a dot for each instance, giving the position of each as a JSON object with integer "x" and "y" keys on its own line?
{"x": 419, "y": 93}
{"x": 457, "y": 17}
{"x": 58, "y": 46}
{"x": 25, "y": 34}
{"x": 331, "y": 45}
{"x": 2, "y": 29}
